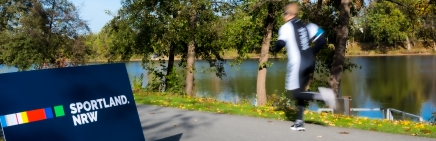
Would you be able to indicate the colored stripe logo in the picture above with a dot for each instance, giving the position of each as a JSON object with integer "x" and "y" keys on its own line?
{"x": 32, "y": 116}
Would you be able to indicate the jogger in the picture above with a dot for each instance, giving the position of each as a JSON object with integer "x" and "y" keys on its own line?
{"x": 296, "y": 36}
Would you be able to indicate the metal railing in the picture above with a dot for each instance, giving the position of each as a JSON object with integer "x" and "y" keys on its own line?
{"x": 387, "y": 115}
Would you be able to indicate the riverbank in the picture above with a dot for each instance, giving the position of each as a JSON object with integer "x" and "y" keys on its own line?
{"x": 284, "y": 114}
{"x": 354, "y": 51}
{"x": 284, "y": 57}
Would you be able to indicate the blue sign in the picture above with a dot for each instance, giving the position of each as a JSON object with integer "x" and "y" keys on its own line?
{"x": 86, "y": 103}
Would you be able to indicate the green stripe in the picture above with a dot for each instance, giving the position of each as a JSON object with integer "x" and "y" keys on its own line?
{"x": 59, "y": 111}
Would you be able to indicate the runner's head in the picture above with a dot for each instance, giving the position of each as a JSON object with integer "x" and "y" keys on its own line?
{"x": 291, "y": 11}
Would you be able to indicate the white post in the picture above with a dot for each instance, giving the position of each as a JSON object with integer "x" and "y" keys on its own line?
{"x": 389, "y": 114}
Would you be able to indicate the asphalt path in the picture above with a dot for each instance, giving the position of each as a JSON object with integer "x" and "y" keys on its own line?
{"x": 171, "y": 124}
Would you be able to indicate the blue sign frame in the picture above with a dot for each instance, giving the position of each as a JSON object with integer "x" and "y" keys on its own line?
{"x": 69, "y": 104}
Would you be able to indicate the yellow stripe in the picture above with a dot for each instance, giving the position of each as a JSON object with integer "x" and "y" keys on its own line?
{"x": 24, "y": 117}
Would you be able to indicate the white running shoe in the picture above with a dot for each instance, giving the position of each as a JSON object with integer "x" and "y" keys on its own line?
{"x": 298, "y": 127}
{"x": 328, "y": 96}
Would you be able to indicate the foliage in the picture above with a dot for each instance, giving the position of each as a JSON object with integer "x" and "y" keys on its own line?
{"x": 174, "y": 83}
{"x": 245, "y": 29}
{"x": 279, "y": 101}
{"x": 161, "y": 27}
{"x": 99, "y": 43}
{"x": 42, "y": 34}
{"x": 137, "y": 82}
{"x": 428, "y": 30}
{"x": 387, "y": 22}
{"x": 432, "y": 119}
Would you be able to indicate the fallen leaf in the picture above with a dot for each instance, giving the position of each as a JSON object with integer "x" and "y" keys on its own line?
{"x": 176, "y": 125}
{"x": 319, "y": 136}
{"x": 373, "y": 129}
{"x": 270, "y": 121}
{"x": 344, "y": 132}
{"x": 408, "y": 129}
{"x": 425, "y": 131}
{"x": 414, "y": 134}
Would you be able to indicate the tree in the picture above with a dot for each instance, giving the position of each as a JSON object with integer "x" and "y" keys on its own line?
{"x": 42, "y": 34}
{"x": 168, "y": 28}
{"x": 334, "y": 17}
{"x": 252, "y": 28}
{"x": 266, "y": 41}
{"x": 99, "y": 44}
{"x": 411, "y": 9}
{"x": 387, "y": 22}
{"x": 428, "y": 31}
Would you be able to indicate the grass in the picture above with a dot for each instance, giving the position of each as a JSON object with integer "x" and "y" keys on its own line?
{"x": 285, "y": 114}
{"x": 371, "y": 49}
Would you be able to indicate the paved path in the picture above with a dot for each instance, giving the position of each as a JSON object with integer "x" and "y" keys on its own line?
{"x": 170, "y": 124}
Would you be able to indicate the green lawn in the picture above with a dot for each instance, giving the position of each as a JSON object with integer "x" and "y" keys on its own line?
{"x": 328, "y": 119}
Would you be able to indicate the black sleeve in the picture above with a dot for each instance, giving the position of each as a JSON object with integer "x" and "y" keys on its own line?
{"x": 319, "y": 43}
{"x": 279, "y": 45}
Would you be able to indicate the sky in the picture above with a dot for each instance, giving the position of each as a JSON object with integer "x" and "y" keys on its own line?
{"x": 93, "y": 11}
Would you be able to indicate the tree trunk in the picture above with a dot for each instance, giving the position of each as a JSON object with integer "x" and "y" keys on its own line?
{"x": 341, "y": 41}
{"x": 408, "y": 42}
{"x": 191, "y": 56}
{"x": 170, "y": 59}
{"x": 261, "y": 74}
{"x": 319, "y": 4}
{"x": 433, "y": 35}
{"x": 434, "y": 45}
{"x": 169, "y": 66}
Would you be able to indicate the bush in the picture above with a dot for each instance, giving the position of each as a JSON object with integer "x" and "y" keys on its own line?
{"x": 279, "y": 101}
{"x": 432, "y": 119}
{"x": 137, "y": 82}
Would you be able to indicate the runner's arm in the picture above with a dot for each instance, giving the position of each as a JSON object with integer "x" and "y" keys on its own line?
{"x": 281, "y": 42}
{"x": 319, "y": 43}
{"x": 318, "y": 36}
{"x": 279, "y": 45}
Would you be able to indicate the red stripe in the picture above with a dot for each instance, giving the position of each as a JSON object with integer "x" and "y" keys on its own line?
{"x": 36, "y": 115}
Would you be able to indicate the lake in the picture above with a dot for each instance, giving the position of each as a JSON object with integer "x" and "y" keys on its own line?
{"x": 406, "y": 83}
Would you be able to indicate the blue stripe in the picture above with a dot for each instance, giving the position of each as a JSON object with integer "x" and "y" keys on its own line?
{"x": 3, "y": 121}
{"x": 320, "y": 31}
{"x": 48, "y": 112}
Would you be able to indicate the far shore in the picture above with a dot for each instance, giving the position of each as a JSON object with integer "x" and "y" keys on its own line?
{"x": 257, "y": 57}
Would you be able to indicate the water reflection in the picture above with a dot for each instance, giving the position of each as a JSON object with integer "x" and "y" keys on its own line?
{"x": 406, "y": 83}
